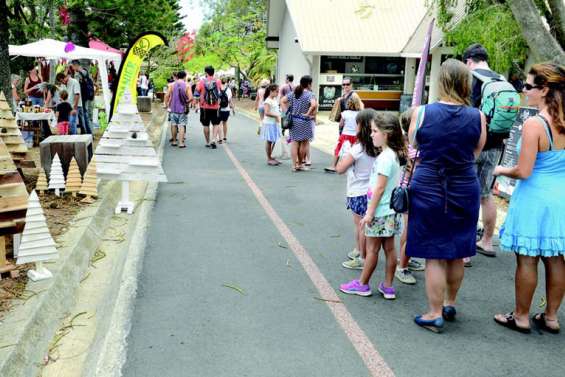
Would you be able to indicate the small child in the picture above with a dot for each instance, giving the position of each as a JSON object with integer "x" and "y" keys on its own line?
{"x": 381, "y": 223}
{"x": 63, "y": 111}
{"x": 357, "y": 163}
{"x": 270, "y": 129}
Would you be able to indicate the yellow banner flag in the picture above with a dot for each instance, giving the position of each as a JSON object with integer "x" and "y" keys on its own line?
{"x": 129, "y": 70}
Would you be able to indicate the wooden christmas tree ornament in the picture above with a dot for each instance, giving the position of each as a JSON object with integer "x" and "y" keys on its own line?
{"x": 88, "y": 186}
{"x": 37, "y": 245}
{"x": 56, "y": 176}
{"x": 13, "y": 195}
{"x": 11, "y": 135}
{"x": 74, "y": 180}
{"x": 41, "y": 184}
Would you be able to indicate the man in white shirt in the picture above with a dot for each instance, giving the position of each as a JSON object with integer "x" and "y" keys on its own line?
{"x": 73, "y": 89}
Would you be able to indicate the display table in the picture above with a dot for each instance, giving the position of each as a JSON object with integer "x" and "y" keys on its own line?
{"x": 67, "y": 147}
{"x": 50, "y": 117}
{"x": 28, "y": 120}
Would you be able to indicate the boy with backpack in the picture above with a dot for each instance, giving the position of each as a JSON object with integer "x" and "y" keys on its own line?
{"x": 499, "y": 101}
{"x": 209, "y": 89}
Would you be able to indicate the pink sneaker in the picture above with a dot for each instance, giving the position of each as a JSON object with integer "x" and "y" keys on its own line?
{"x": 354, "y": 287}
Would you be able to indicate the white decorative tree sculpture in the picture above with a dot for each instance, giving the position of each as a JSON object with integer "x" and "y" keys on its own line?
{"x": 125, "y": 152}
{"x": 37, "y": 245}
{"x": 56, "y": 176}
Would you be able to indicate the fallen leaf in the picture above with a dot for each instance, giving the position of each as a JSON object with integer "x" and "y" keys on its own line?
{"x": 234, "y": 287}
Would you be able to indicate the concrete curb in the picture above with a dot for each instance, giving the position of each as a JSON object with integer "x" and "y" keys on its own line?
{"x": 28, "y": 330}
{"x": 107, "y": 355}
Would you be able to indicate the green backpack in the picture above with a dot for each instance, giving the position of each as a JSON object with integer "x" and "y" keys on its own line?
{"x": 499, "y": 102}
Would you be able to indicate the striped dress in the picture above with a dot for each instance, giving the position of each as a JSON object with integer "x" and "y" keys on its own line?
{"x": 301, "y": 126}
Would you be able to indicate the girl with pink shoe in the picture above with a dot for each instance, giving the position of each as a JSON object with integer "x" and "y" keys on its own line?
{"x": 381, "y": 223}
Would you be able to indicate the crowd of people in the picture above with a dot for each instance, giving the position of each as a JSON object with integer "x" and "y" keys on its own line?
{"x": 446, "y": 155}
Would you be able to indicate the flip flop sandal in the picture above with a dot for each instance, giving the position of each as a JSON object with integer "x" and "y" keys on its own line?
{"x": 272, "y": 163}
{"x": 329, "y": 170}
{"x": 488, "y": 253}
{"x": 182, "y": 146}
{"x": 541, "y": 323}
{"x": 174, "y": 144}
{"x": 511, "y": 324}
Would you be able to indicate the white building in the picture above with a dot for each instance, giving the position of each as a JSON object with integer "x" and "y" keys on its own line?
{"x": 376, "y": 43}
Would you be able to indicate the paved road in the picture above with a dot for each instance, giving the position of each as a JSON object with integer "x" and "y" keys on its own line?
{"x": 210, "y": 232}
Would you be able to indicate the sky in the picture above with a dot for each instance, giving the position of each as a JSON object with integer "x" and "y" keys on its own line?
{"x": 193, "y": 12}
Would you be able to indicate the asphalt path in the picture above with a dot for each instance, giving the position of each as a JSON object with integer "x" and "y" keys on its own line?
{"x": 223, "y": 293}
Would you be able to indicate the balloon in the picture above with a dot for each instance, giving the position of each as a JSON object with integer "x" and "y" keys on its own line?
{"x": 70, "y": 46}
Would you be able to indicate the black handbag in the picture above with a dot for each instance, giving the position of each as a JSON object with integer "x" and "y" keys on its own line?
{"x": 287, "y": 118}
{"x": 400, "y": 198}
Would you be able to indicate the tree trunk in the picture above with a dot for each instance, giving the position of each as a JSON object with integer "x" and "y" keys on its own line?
{"x": 542, "y": 44}
{"x": 5, "y": 84}
{"x": 558, "y": 11}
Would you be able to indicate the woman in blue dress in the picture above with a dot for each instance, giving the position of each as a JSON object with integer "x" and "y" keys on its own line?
{"x": 534, "y": 228}
{"x": 444, "y": 192}
{"x": 302, "y": 105}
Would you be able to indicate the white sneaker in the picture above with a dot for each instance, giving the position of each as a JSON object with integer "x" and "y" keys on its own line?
{"x": 354, "y": 264}
{"x": 405, "y": 276}
{"x": 353, "y": 254}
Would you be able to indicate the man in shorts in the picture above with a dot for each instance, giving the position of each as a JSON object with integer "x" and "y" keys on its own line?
{"x": 476, "y": 58}
{"x": 180, "y": 98}
{"x": 209, "y": 89}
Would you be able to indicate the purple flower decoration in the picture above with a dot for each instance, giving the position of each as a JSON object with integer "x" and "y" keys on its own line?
{"x": 70, "y": 46}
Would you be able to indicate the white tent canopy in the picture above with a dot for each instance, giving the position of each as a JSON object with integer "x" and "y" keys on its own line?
{"x": 52, "y": 49}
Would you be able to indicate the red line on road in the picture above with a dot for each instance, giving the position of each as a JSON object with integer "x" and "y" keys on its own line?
{"x": 373, "y": 360}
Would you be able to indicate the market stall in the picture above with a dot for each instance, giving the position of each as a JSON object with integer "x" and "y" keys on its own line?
{"x": 52, "y": 49}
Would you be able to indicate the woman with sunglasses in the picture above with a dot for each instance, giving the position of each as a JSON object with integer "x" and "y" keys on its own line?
{"x": 534, "y": 228}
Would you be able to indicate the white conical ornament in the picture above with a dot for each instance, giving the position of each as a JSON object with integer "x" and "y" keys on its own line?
{"x": 36, "y": 245}
{"x": 56, "y": 176}
{"x": 125, "y": 152}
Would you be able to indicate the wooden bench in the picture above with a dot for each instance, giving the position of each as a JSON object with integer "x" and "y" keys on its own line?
{"x": 67, "y": 147}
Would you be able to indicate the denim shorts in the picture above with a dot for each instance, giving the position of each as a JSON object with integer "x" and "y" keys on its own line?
{"x": 357, "y": 204}
{"x": 486, "y": 163}
{"x": 179, "y": 119}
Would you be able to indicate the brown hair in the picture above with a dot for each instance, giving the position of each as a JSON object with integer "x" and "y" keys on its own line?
{"x": 271, "y": 88}
{"x": 455, "y": 82}
{"x": 552, "y": 76}
{"x": 64, "y": 95}
{"x": 354, "y": 103}
{"x": 388, "y": 124}
{"x": 364, "y": 119}
{"x": 406, "y": 119}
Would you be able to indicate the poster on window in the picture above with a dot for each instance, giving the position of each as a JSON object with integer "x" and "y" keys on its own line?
{"x": 504, "y": 185}
{"x": 328, "y": 95}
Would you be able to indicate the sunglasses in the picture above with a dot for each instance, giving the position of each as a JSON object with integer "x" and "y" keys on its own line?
{"x": 530, "y": 86}
{"x": 346, "y": 84}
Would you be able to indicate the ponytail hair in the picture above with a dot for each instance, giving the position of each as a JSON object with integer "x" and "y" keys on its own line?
{"x": 552, "y": 76}
{"x": 388, "y": 124}
{"x": 271, "y": 88}
{"x": 305, "y": 82}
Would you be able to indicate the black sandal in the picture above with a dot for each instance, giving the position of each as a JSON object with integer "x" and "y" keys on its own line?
{"x": 541, "y": 323}
{"x": 511, "y": 324}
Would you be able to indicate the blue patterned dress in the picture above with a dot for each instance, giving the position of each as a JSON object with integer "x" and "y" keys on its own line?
{"x": 301, "y": 126}
{"x": 535, "y": 224}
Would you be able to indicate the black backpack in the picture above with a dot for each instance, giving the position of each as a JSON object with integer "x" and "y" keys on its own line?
{"x": 211, "y": 94}
{"x": 86, "y": 87}
{"x": 224, "y": 101}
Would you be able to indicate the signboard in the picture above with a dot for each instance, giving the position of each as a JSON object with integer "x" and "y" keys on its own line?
{"x": 331, "y": 79}
{"x": 328, "y": 96}
{"x": 505, "y": 185}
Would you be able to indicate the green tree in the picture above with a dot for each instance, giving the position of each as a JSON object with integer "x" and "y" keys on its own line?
{"x": 235, "y": 31}
{"x": 508, "y": 28}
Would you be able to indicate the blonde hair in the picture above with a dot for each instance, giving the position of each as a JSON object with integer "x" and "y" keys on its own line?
{"x": 455, "y": 82}
{"x": 354, "y": 103}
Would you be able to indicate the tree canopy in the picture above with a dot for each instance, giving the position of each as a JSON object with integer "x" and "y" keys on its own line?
{"x": 235, "y": 32}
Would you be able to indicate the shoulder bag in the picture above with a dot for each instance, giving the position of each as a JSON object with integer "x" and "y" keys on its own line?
{"x": 400, "y": 198}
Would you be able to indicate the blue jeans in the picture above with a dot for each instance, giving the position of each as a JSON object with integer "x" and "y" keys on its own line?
{"x": 82, "y": 123}
{"x": 73, "y": 120}
{"x": 36, "y": 101}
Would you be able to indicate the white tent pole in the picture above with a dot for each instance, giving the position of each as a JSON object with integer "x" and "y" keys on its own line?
{"x": 103, "y": 72}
